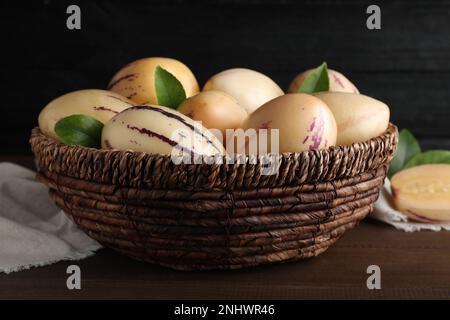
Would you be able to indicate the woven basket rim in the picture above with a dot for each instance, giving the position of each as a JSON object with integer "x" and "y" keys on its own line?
{"x": 140, "y": 169}
{"x": 391, "y": 129}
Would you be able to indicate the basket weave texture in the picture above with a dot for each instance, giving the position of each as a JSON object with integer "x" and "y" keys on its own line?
{"x": 221, "y": 216}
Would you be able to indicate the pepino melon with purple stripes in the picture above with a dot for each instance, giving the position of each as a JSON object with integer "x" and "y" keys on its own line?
{"x": 100, "y": 104}
{"x": 159, "y": 130}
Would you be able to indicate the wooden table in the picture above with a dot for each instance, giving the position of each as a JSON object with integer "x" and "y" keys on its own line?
{"x": 413, "y": 266}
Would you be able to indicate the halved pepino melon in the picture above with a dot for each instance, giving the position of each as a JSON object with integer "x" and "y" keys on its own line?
{"x": 423, "y": 192}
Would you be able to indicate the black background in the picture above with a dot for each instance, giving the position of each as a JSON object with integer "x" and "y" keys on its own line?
{"x": 406, "y": 63}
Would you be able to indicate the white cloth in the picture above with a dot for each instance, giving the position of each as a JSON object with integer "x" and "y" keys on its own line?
{"x": 385, "y": 212}
{"x": 33, "y": 231}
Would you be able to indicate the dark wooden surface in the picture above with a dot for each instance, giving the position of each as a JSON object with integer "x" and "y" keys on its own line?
{"x": 404, "y": 64}
{"x": 413, "y": 266}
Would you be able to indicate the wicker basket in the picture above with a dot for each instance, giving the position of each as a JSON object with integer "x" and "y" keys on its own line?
{"x": 200, "y": 216}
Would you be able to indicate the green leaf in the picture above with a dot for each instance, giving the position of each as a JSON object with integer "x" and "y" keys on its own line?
{"x": 407, "y": 148}
{"x": 80, "y": 130}
{"x": 429, "y": 157}
{"x": 169, "y": 91}
{"x": 316, "y": 81}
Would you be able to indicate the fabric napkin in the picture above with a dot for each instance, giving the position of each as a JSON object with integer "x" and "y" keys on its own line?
{"x": 33, "y": 231}
{"x": 385, "y": 212}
